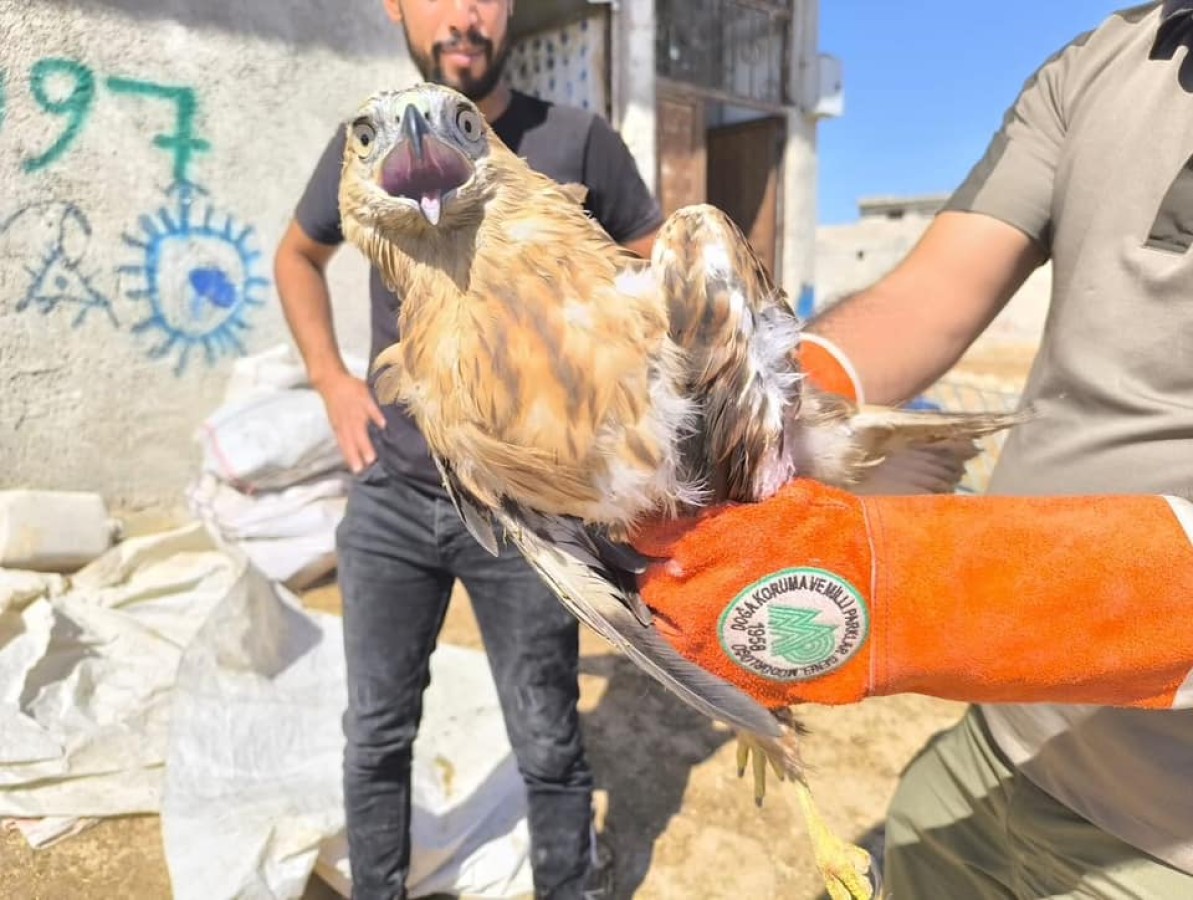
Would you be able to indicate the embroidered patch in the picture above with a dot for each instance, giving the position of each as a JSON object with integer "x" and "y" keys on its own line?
{"x": 795, "y": 625}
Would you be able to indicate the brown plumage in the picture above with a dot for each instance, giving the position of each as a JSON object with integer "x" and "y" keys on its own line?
{"x": 568, "y": 389}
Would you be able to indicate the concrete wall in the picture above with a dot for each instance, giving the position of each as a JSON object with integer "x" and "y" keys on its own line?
{"x": 122, "y": 305}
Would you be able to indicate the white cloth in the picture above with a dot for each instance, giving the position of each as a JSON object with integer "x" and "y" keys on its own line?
{"x": 272, "y": 479}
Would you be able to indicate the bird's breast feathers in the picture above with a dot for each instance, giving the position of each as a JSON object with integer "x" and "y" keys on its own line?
{"x": 553, "y": 378}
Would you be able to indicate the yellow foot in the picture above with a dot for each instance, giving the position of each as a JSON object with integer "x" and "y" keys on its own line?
{"x": 848, "y": 871}
{"x": 745, "y": 747}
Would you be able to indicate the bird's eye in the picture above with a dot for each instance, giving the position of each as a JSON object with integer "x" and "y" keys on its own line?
{"x": 469, "y": 122}
{"x": 364, "y": 134}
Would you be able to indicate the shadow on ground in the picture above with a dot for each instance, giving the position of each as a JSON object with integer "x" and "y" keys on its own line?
{"x": 642, "y": 743}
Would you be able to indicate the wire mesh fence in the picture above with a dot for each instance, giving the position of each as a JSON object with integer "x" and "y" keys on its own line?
{"x": 971, "y": 392}
{"x": 738, "y": 48}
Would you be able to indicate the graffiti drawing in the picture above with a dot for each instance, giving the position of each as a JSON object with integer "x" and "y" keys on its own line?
{"x": 198, "y": 274}
{"x": 195, "y": 274}
{"x": 182, "y": 142}
{"x": 66, "y": 89}
{"x": 50, "y": 239}
{"x": 74, "y": 105}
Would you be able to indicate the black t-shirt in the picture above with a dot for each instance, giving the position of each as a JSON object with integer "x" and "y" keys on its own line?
{"x": 567, "y": 144}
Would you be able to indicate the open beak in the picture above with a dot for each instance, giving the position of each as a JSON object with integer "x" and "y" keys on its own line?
{"x": 421, "y": 167}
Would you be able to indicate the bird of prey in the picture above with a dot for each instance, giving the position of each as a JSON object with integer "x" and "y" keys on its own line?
{"x": 569, "y": 390}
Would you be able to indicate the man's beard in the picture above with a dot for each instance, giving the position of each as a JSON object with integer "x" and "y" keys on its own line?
{"x": 475, "y": 89}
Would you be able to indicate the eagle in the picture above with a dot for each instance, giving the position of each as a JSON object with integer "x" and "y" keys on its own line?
{"x": 570, "y": 391}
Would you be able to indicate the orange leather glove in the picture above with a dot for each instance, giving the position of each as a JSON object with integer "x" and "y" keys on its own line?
{"x": 818, "y": 595}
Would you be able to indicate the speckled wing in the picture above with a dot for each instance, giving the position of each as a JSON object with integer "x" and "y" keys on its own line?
{"x": 739, "y": 335}
{"x": 595, "y": 579}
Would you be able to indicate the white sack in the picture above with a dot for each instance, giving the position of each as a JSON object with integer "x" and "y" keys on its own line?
{"x": 253, "y": 780}
{"x": 289, "y": 534}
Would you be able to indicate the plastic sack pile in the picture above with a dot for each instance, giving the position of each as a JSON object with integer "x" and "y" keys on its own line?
{"x": 272, "y": 480}
{"x": 175, "y": 675}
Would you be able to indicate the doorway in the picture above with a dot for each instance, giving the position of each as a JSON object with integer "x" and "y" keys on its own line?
{"x": 710, "y": 151}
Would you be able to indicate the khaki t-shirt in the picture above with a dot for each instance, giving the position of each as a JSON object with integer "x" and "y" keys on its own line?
{"x": 1095, "y": 162}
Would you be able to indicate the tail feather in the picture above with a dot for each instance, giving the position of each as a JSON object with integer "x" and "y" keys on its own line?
{"x": 574, "y": 575}
{"x": 880, "y": 432}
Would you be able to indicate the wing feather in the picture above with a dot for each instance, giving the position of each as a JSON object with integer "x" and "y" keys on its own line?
{"x": 551, "y": 546}
{"x": 880, "y": 432}
{"x": 739, "y": 335}
{"x": 476, "y": 517}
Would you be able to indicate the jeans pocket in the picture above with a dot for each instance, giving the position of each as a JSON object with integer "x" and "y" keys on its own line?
{"x": 372, "y": 474}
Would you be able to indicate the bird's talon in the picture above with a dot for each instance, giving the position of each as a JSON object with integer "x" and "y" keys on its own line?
{"x": 848, "y": 880}
{"x": 774, "y": 766}
{"x": 743, "y": 757}
{"x": 849, "y": 872}
{"x": 759, "y": 777}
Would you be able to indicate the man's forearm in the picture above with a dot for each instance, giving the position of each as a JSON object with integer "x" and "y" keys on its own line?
{"x": 894, "y": 353}
{"x": 913, "y": 325}
{"x": 306, "y": 305}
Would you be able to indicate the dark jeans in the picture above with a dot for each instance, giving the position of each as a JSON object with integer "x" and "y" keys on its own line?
{"x": 400, "y": 550}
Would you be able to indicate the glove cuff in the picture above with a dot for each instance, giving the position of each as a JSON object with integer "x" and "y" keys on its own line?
{"x": 827, "y": 367}
{"x": 1033, "y": 599}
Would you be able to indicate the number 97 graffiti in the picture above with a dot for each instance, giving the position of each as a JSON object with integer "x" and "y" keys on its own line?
{"x": 66, "y": 90}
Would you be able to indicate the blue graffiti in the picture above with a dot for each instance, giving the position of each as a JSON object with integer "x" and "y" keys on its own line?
{"x": 198, "y": 275}
{"x": 55, "y": 235}
{"x": 211, "y": 286}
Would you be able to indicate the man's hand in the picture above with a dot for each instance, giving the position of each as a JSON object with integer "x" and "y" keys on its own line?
{"x": 350, "y": 407}
{"x": 300, "y": 272}
{"x": 931, "y": 469}
{"x": 702, "y": 592}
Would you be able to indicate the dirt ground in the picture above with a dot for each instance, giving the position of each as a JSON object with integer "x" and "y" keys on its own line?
{"x": 680, "y": 823}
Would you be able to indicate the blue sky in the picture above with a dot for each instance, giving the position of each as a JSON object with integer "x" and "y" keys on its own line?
{"x": 926, "y": 85}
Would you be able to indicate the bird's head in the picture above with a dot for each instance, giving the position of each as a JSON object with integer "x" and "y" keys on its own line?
{"x": 415, "y": 159}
